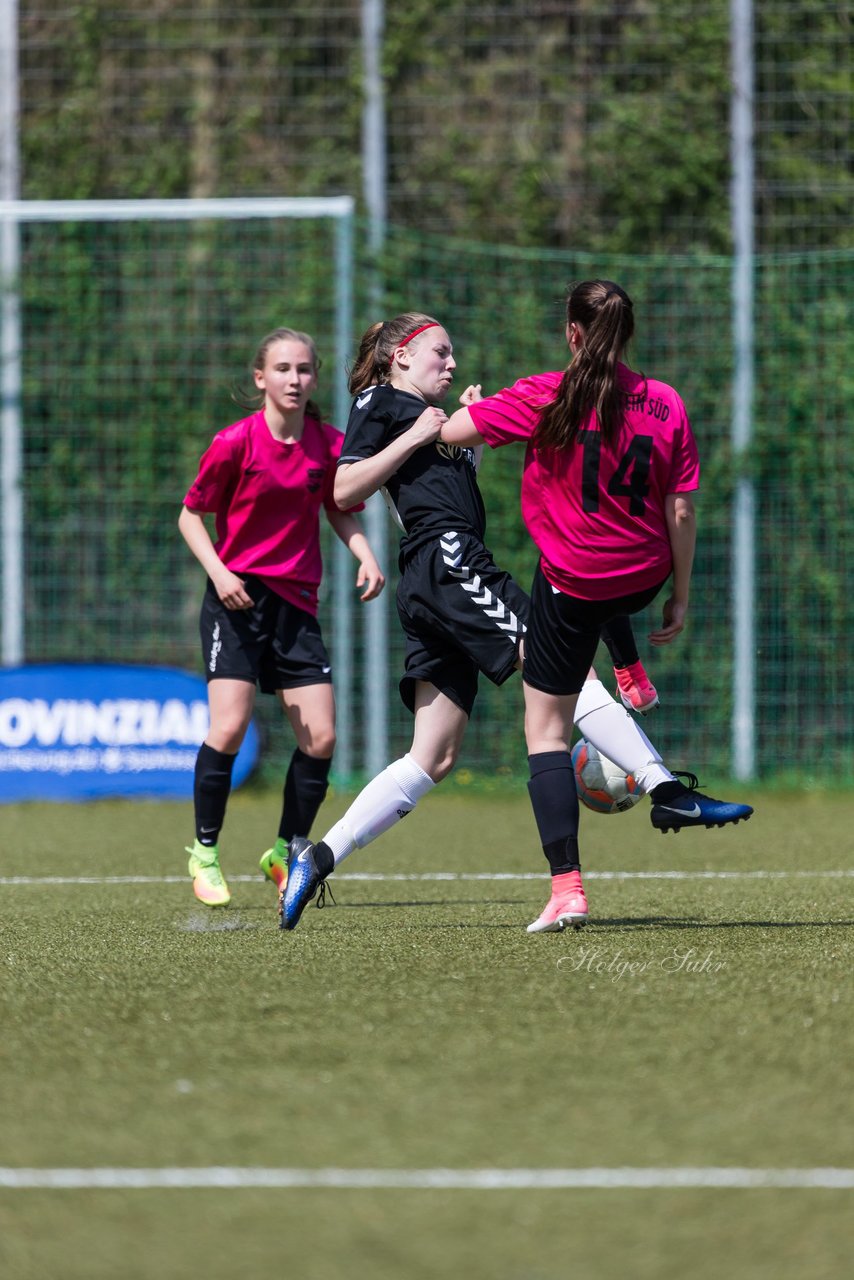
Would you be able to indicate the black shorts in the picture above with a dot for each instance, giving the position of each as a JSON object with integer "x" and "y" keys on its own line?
{"x": 275, "y": 644}
{"x": 461, "y": 615}
{"x": 563, "y": 634}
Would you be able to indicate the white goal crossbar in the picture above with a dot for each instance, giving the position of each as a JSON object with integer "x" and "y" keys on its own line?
{"x": 176, "y": 210}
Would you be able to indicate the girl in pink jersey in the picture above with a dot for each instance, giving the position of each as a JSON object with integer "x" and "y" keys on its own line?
{"x": 265, "y": 480}
{"x": 610, "y": 466}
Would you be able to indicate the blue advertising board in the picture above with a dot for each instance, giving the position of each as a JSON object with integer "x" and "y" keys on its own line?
{"x": 73, "y": 731}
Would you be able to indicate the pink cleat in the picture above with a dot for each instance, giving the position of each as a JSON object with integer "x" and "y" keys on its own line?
{"x": 567, "y": 905}
{"x": 635, "y": 689}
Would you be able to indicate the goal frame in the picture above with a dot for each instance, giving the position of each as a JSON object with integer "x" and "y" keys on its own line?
{"x": 15, "y": 213}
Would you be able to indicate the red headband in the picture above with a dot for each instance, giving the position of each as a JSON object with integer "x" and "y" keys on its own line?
{"x": 431, "y": 324}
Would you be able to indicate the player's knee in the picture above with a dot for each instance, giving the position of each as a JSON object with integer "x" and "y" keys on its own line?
{"x": 227, "y": 735}
{"x": 444, "y": 763}
{"x": 319, "y": 742}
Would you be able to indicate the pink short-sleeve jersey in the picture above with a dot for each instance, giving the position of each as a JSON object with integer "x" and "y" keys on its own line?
{"x": 266, "y": 496}
{"x": 596, "y": 512}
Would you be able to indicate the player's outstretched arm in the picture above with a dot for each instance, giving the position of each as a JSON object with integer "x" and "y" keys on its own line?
{"x": 460, "y": 428}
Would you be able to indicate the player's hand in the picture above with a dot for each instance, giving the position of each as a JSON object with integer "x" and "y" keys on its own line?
{"x": 673, "y": 615}
{"x": 472, "y": 394}
{"x": 426, "y": 428}
{"x": 232, "y": 591}
{"x": 371, "y": 577}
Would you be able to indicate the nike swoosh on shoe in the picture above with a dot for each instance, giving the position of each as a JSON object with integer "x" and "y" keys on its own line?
{"x": 696, "y": 812}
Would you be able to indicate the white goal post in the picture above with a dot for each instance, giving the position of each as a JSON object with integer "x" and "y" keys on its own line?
{"x": 14, "y": 213}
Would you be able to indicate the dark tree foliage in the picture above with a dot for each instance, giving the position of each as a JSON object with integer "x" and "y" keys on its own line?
{"x": 594, "y": 125}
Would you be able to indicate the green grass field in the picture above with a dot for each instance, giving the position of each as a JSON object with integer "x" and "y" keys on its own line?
{"x": 698, "y": 1023}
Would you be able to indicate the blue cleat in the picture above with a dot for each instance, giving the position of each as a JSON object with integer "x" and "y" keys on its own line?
{"x": 305, "y": 877}
{"x": 688, "y": 807}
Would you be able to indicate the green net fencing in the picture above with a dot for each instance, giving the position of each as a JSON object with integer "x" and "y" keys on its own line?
{"x": 137, "y": 343}
{"x": 135, "y": 336}
{"x": 506, "y": 310}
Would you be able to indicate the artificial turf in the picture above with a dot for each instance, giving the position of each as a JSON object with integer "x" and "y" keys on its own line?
{"x": 415, "y": 1025}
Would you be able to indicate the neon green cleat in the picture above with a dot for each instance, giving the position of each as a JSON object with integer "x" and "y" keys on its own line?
{"x": 208, "y": 881}
{"x": 274, "y": 863}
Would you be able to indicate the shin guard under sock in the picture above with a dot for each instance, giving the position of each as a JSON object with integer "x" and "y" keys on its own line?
{"x": 387, "y": 798}
{"x": 608, "y": 726}
{"x": 211, "y": 789}
{"x": 305, "y": 790}
{"x": 555, "y": 804}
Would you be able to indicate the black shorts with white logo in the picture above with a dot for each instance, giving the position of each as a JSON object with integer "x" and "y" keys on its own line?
{"x": 461, "y": 615}
{"x": 563, "y": 634}
{"x": 274, "y": 644}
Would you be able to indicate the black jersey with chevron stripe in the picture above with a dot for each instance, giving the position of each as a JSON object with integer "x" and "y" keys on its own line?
{"x": 436, "y": 487}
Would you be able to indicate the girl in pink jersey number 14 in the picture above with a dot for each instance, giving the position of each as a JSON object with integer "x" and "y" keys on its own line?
{"x": 610, "y": 466}
{"x": 265, "y": 480}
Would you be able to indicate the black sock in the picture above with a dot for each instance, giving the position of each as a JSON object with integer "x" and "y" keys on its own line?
{"x": 211, "y": 788}
{"x": 667, "y": 791}
{"x": 305, "y": 789}
{"x": 324, "y": 859}
{"x": 562, "y": 855}
{"x": 619, "y": 639}
{"x": 555, "y": 804}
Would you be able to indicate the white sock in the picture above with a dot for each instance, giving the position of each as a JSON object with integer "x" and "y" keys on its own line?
{"x": 602, "y": 721}
{"x": 387, "y": 798}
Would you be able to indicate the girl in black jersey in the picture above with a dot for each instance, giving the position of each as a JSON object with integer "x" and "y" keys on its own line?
{"x": 461, "y": 614}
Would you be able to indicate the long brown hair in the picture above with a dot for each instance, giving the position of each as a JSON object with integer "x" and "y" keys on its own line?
{"x": 604, "y": 313}
{"x": 378, "y": 345}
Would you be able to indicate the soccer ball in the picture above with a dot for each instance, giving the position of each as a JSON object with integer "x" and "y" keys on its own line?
{"x": 601, "y": 784}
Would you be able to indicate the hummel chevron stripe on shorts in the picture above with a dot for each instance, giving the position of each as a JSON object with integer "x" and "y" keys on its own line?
{"x": 505, "y": 618}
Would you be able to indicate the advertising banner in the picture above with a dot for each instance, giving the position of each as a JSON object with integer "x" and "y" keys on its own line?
{"x": 73, "y": 731}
